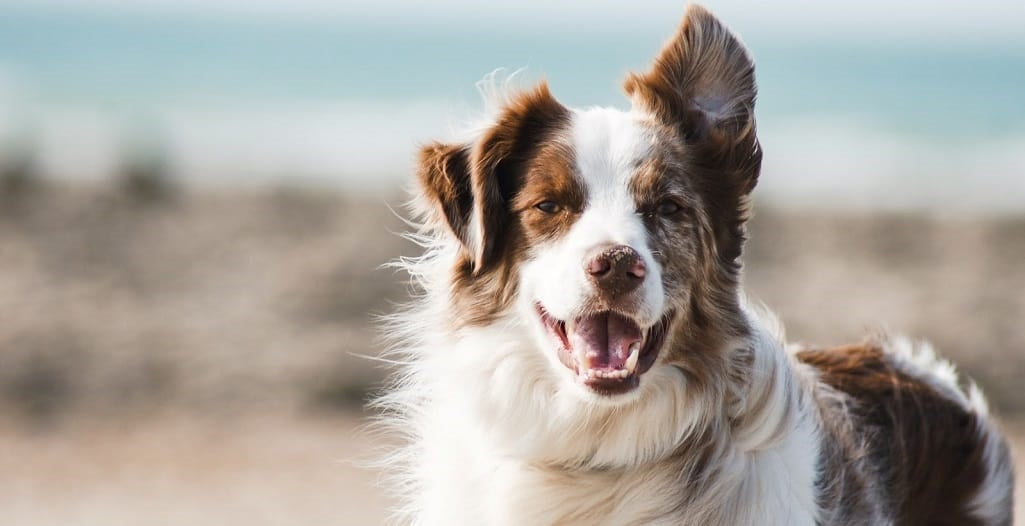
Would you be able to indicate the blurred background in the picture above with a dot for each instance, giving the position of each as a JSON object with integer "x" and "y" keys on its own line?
{"x": 195, "y": 201}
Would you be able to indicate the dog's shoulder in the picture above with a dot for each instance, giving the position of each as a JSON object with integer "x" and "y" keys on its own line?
{"x": 919, "y": 434}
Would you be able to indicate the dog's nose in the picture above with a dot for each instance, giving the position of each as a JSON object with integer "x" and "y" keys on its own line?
{"x": 616, "y": 270}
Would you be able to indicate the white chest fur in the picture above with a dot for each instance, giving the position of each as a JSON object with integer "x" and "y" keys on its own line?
{"x": 465, "y": 482}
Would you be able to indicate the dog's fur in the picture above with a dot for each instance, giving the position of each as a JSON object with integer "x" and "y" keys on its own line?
{"x": 717, "y": 422}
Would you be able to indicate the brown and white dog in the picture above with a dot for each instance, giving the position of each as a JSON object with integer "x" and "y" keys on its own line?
{"x": 582, "y": 352}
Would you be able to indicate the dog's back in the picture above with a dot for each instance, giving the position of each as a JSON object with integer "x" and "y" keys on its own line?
{"x": 907, "y": 438}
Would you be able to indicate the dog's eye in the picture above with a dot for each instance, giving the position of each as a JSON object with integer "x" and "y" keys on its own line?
{"x": 668, "y": 208}
{"x": 548, "y": 207}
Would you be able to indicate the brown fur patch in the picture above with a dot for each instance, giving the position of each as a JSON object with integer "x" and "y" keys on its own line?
{"x": 702, "y": 84}
{"x": 925, "y": 446}
{"x": 501, "y": 161}
{"x": 498, "y": 179}
{"x": 705, "y": 157}
{"x": 551, "y": 177}
{"x": 685, "y": 243}
{"x": 444, "y": 179}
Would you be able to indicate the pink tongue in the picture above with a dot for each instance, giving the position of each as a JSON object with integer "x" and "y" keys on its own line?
{"x": 606, "y": 338}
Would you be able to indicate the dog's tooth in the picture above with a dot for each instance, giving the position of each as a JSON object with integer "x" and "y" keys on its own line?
{"x": 584, "y": 358}
{"x": 631, "y": 361}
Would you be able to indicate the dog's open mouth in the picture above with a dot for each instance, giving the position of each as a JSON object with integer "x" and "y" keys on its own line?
{"x": 606, "y": 350}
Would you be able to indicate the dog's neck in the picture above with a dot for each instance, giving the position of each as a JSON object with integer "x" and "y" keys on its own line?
{"x": 769, "y": 394}
{"x": 489, "y": 436}
{"x": 761, "y": 439}
{"x": 755, "y": 445}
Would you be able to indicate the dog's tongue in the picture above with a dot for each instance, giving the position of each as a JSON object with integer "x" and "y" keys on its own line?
{"x": 604, "y": 339}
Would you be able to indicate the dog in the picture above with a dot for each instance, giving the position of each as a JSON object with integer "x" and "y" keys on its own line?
{"x": 581, "y": 352}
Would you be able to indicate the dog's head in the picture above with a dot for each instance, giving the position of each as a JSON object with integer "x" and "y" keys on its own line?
{"x": 613, "y": 236}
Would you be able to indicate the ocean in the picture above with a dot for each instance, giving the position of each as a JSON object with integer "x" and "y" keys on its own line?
{"x": 845, "y": 121}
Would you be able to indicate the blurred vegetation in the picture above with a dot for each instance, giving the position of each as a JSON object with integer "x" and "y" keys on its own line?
{"x": 225, "y": 302}
{"x": 263, "y": 299}
{"x": 145, "y": 177}
{"x": 19, "y": 179}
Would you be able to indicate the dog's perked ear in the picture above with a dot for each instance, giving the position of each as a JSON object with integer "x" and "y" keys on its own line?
{"x": 470, "y": 186}
{"x": 702, "y": 84}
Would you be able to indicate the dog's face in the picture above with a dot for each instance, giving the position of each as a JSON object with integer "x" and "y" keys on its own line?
{"x": 612, "y": 236}
{"x": 608, "y": 216}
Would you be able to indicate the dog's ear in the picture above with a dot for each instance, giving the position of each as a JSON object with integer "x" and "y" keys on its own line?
{"x": 470, "y": 186}
{"x": 444, "y": 179}
{"x": 703, "y": 84}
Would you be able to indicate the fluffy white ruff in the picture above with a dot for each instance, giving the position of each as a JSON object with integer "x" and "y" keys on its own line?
{"x": 494, "y": 436}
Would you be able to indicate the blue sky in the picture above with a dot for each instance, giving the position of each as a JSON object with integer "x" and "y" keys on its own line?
{"x": 940, "y": 20}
